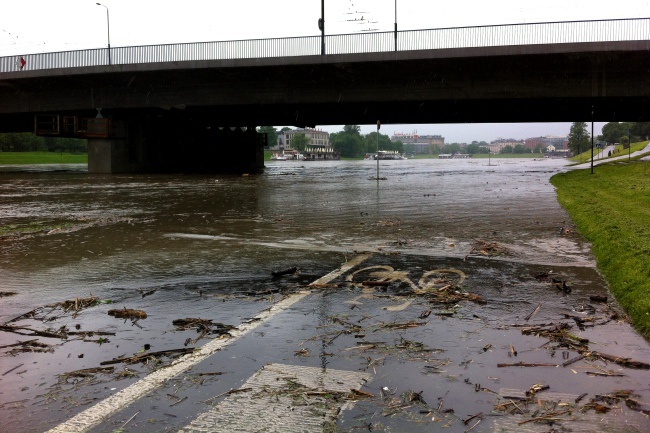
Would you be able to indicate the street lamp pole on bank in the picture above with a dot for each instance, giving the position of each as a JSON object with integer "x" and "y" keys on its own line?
{"x": 592, "y": 139}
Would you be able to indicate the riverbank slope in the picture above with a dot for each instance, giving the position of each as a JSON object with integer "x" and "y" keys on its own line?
{"x": 611, "y": 208}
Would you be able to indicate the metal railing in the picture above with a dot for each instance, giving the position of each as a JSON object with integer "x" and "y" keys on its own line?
{"x": 630, "y": 29}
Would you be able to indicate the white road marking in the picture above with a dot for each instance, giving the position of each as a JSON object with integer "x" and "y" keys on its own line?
{"x": 267, "y": 402}
{"x": 94, "y": 415}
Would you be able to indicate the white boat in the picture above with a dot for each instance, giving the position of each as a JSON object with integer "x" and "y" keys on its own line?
{"x": 388, "y": 154}
{"x": 291, "y": 155}
{"x": 279, "y": 157}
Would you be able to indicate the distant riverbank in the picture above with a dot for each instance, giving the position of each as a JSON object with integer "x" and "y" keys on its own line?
{"x": 18, "y": 158}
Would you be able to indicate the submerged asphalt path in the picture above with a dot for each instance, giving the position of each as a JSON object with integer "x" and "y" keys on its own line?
{"x": 426, "y": 343}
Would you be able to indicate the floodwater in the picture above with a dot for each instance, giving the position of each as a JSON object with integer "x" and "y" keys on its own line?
{"x": 190, "y": 246}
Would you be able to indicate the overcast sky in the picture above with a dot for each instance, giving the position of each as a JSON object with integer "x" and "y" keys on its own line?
{"x": 31, "y": 26}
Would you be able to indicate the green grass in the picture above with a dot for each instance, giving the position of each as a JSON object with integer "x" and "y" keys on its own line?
{"x": 13, "y": 158}
{"x": 611, "y": 208}
{"x": 618, "y": 151}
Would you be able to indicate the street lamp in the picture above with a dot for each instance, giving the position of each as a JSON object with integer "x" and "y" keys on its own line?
{"x": 395, "y": 25}
{"x": 321, "y": 26}
{"x": 108, "y": 27}
{"x": 592, "y": 139}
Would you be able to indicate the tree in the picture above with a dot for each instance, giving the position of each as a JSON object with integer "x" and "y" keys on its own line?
{"x": 349, "y": 142}
{"x": 507, "y": 149}
{"x": 640, "y": 129}
{"x": 472, "y": 148}
{"x": 578, "y": 137}
{"x": 384, "y": 143}
{"x": 451, "y": 148}
{"x": 271, "y": 135}
{"x": 300, "y": 141}
{"x": 613, "y": 132}
{"x": 520, "y": 148}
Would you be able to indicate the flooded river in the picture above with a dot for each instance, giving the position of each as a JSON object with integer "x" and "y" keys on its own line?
{"x": 204, "y": 246}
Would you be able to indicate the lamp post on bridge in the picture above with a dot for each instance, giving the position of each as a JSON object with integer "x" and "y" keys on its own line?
{"x": 321, "y": 26}
{"x": 395, "y": 25}
{"x": 108, "y": 27}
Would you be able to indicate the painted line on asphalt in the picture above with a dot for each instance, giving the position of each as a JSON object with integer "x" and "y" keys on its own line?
{"x": 268, "y": 402}
{"x": 94, "y": 415}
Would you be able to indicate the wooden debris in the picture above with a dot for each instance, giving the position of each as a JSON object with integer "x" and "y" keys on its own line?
{"x": 87, "y": 372}
{"x": 90, "y": 333}
{"x": 572, "y": 360}
{"x": 190, "y": 323}
{"x": 625, "y": 362}
{"x": 230, "y": 391}
{"x": 20, "y": 343}
{"x": 289, "y": 271}
{"x": 605, "y": 374}
{"x": 598, "y": 298}
{"x": 405, "y": 325}
{"x": 476, "y": 415}
{"x": 546, "y": 418}
{"x": 29, "y": 346}
{"x": 30, "y": 331}
{"x": 355, "y": 393}
{"x": 487, "y": 248}
{"x": 532, "y": 313}
{"x": 76, "y": 304}
{"x": 3, "y": 294}
{"x": 376, "y": 283}
{"x": 12, "y": 369}
{"x": 538, "y": 387}
{"x": 148, "y": 293}
{"x": 127, "y": 313}
{"x": 204, "y": 326}
{"x": 28, "y": 315}
{"x": 527, "y": 364}
{"x": 143, "y": 357}
{"x": 558, "y": 334}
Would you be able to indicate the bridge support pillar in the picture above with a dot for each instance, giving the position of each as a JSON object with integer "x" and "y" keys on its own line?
{"x": 108, "y": 155}
{"x": 156, "y": 145}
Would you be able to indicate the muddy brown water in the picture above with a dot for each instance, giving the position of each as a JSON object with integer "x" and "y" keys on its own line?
{"x": 179, "y": 246}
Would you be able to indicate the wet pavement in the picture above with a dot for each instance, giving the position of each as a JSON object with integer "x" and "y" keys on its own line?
{"x": 466, "y": 301}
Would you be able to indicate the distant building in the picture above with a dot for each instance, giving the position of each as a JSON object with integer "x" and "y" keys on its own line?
{"x": 318, "y": 140}
{"x": 559, "y": 142}
{"x": 418, "y": 143}
{"x": 497, "y": 145}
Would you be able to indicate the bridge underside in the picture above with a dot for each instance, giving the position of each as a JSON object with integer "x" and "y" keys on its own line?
{"x": 174, "y": 111}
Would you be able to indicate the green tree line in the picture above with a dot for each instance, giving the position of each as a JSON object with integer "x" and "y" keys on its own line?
{"x": 28, "y": 142}
{"x": 613, "y": 132}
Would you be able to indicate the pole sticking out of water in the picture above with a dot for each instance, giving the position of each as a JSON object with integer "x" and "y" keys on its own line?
{"x": 378, "y": 126}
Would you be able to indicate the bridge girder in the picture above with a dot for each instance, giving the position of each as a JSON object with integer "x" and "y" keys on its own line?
{"x": 471, "y": 85}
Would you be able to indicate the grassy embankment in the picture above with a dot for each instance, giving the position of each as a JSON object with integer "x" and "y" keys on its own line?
{"x": 611, "y": 208}
{"x": 619, "y": 150}
{"x": 15, "y": 158}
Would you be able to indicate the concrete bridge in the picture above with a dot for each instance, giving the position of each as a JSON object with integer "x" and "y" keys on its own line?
{"x": 149, "y": 108}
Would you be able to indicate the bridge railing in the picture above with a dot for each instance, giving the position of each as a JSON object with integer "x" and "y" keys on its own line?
{"x": 631, "y": 29}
